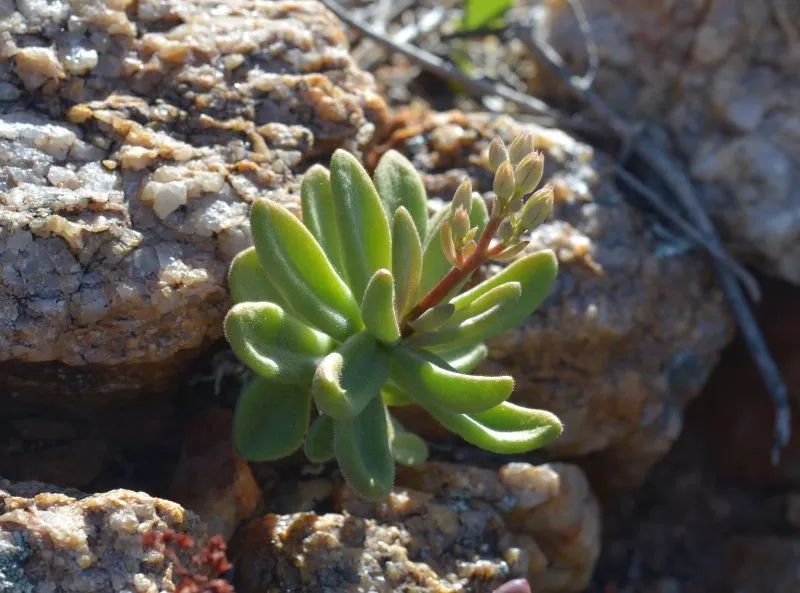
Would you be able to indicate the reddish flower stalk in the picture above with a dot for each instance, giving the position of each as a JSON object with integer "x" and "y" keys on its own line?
{"x": 456, "y": 275}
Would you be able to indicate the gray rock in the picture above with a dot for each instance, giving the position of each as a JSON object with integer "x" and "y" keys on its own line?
{"x": 131, "y": 144}
{"x": 724, "y": 78}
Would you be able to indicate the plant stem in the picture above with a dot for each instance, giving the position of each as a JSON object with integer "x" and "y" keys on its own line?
{"x": 455, "y": 276}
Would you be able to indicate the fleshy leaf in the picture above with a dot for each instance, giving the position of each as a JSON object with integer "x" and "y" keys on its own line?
{"x": 362, "y": 222}
{"x": 394, "y": 396}
{"x": 301, "y": 272}
{"x": 406, "y": 260}
{"x": 407, "y": 448}
{"x": 362, "y": 449}
{"x": 273, "y": 343}
{"x": 248, "y": 280}
{"x": 349, "y": 378}
{"x": 433, "y": 318}
{"x": 319, "y": 215}
{"x": 498, "y": 295}
{"x": 535, "y": 274}
{"x": 270, "y": 420}
{"x": 434, "y": 262}
{"x": 319, "y": 442}
{"x": 465, "y": 359}
{"x": 506, "y": 428}
{"x": 427, "y": 378}
{"x": 479, "y": 320}
{"x": 399, "y": 184}
{"x": 377, "y": 308}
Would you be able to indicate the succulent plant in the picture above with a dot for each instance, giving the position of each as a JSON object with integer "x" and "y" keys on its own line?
{"x": 360, "y": 307}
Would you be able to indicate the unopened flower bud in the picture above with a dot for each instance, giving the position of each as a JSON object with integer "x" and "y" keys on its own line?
{"x": 468, "y": 249}
{"x": 448, "y": 247}
{"x": 537, "y": 208}
{"x": 521, "y": 147}
{"x": 506, "y": 231}
{"x": 494, "y": 206}
{"x": 509, "y": 252}
{"x": 504, "y": 182}
{"x": 460, "y": 223}
{"x": 497, "y": 154}
{"x": 528, "y": 173}
{"x": 463, "y": 197}
{"x": 471, "y": 234}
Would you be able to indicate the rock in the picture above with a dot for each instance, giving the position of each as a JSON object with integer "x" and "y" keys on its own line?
{"x": 762, "y": 563}
{"x": 73, "y": 462}
{"x": 445, "y": 528}
{"x": 211, "y": 479}
{"x": 616, "y": 351}
{"x": 722, "y": 77}
{"x": 131, "y": 145}
{"x": 67, "y": 542}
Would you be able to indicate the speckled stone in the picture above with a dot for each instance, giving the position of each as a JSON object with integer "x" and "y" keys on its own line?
{"x": 444, "y": 529}
{"x": 132, "y": 142}
{"x": 723, "y": 77}
{"x": 62, "y": 541}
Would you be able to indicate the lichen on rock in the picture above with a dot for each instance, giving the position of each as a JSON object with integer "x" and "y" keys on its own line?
{"x": 68, "y": 542}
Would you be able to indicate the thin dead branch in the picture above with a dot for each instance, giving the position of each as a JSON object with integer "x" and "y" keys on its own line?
{"x": 479, "y": 87}
{"x": 429, "y": 21}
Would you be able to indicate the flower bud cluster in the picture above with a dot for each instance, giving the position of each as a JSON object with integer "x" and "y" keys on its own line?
{"x": 518, "y": 170}
{"x": 457, "y": 232}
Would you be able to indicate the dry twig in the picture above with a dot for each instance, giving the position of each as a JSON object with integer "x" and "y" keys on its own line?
{"x": 479, "y": 87}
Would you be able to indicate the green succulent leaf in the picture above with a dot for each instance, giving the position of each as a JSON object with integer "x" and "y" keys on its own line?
{"x": 433, "y": 318}
{"x": 362, "y": 222}
{"x": 508, "y": 292}
{"x": 505, "y": 429}
{"x": 434, "y": 262}
{"x": 407, "y": 448}
{"x": 273, "y": 343}
{"x": 479, "y": 320}
{"x": 399, "y": 184}
{"x": 362, "y": 450}
{"x": 316, "y": 199}
{"x": 394, "y": 396}
{"x": 319, "y": 442}
{"x": 427, "y": 378}
{"x": 248, "y": 281}
{"x": 466, "y": 358}
{"x": 377, "y": 308}
{"x": 406, "y": 260}
{"x": 535, "y": 274}
{"x": 270, "y": 420}
{"x": 349, "y": 378}
{"x": 301, "y": 272}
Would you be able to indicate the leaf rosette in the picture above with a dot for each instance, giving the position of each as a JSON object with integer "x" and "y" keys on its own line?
{"x": 359, "y": 308}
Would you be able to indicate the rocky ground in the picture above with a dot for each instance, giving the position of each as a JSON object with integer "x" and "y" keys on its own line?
{"x": 133, "y": 138}
{"x": 715, "y": 515}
